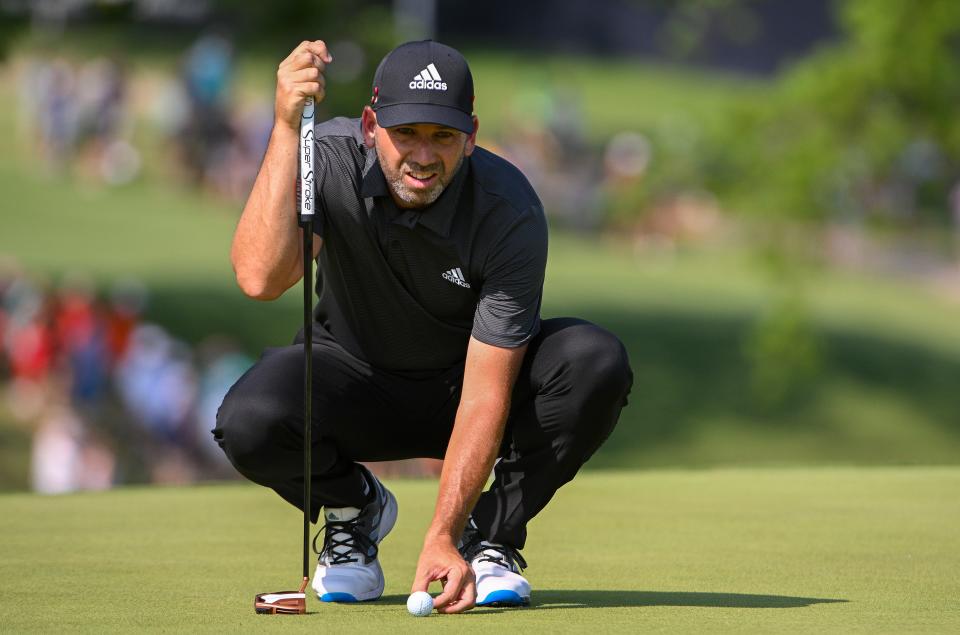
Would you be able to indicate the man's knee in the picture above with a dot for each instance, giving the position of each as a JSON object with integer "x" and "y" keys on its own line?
{"x": 599, "y": 379}
{"x": 582, "y": 377}
{"x": 248, "y": 426}
{"x": 598, "y": 363}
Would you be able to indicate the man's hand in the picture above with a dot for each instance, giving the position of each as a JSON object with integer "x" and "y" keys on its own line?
{"x": 298, "y": 77}
{"x": 440, "y": 560}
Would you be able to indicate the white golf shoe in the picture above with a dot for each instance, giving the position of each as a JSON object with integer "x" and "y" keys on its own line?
{"x": 348, "y": 569}
{"x": 497, "y": 569}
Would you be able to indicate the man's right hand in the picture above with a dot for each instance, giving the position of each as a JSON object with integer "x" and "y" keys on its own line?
{"x": 441, "y": 561}
{"x": 298, "y": 77}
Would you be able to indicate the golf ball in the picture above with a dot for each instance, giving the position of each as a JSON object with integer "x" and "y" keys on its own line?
{"x": 420, "y": 603}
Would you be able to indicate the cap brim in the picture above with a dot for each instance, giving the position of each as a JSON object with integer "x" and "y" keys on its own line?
{"x": 403, "y": 114}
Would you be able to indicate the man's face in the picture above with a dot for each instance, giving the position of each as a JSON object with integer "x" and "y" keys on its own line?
{"x": 418, "y": 160}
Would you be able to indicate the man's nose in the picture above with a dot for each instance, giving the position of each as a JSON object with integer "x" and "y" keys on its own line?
{"x": 423, "y": 152}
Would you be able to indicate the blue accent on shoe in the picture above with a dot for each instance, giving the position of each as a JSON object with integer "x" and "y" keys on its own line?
{"x": 504, "y": 598}
{"x": 337, "y": 597}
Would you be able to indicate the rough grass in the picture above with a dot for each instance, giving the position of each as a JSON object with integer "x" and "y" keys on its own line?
{"x": 745, "y": 550}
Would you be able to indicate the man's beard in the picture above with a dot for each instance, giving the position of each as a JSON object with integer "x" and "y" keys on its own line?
{"x": 421, "y": 197}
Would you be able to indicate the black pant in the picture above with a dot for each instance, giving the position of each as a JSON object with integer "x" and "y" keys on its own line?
{"x": 573, "y": 383}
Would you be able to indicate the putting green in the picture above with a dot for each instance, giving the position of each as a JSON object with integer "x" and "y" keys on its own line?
{"x": 744, "y": 550}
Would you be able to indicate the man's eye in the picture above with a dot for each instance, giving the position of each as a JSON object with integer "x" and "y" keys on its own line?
{"x": 405, "y": 131}
{"x": 444, "y": 134}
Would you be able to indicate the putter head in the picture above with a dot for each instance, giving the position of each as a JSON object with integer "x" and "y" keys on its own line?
{"x": 281, "y": 602}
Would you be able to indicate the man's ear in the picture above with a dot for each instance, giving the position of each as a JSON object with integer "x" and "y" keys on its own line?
{"x": 368, "y": 124}
{"x": 472, "y": 139}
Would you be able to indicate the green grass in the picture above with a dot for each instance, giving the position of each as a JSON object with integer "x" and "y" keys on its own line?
{"x": 745, "y": 550}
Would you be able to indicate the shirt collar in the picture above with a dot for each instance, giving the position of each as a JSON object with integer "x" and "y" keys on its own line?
{"x": 438, "y": 217}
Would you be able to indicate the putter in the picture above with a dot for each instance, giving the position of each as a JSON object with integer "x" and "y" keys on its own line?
{"x": 295, "y": 602}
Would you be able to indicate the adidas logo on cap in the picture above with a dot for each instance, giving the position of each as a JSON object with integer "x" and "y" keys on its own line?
{"x": 428, "y": 79}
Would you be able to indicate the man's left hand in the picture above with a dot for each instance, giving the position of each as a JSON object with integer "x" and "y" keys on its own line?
{"x": 440, "y": 560}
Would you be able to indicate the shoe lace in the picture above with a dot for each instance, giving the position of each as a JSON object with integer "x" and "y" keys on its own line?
{"x": 341, "y": 539}
{"x": 502, "y": 555}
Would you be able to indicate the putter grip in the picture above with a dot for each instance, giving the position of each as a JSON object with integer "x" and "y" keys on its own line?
{"x": 306, "y": 189}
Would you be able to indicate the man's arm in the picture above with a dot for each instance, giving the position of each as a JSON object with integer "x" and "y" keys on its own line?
{"x": 267, "y": 244}
{"x": 488, "y": 381}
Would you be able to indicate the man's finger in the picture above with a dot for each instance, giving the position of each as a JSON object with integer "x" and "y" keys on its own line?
{"x": 293, "y": 54}
{"x": 310, "y": 74}
{"x": 308, "y": 53}
{"x": 451, "y": 590}
{"x": 302, "y": 60}
{"x": 466, "y": 601}
{"x": 319, "y": 48}
{"x": 310, "y": 89}
{"x": 421, "y": 582}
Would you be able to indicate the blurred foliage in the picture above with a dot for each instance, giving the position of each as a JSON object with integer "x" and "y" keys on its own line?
{"x": 863, "y": 130}
{"x": 783, "y": 348}
{"x": 689, "y": 23}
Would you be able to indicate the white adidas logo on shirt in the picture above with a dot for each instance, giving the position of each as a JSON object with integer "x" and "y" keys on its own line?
{"x": 456, "y": 277}
{"x": 428, "y": 78}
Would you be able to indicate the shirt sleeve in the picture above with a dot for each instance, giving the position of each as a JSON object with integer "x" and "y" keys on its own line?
{"x": 508, "y": 314}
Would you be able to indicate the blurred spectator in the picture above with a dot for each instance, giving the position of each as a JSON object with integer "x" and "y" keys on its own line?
{"x": 81, "y": 113}
{"x": 102, "y": 122}
{"x": 223, "y": 364}
{"x": 29, "y": 341}
{"x": 206, "y": 134}
{"x": 233, "y": 167}
{"x": 67, "y": 457}
{"x": 127, "y": 299}
{"x": 207, "y": 71}
{"x": 57, "y": 125}
{"x": 544, "y": 137}
{"x": 81, "y": 336}
{"x": 157, "y": 383}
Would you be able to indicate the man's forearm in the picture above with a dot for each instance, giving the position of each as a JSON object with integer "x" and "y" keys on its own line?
{"x": 266, "y": 246}
{"x": 470, "y": 455}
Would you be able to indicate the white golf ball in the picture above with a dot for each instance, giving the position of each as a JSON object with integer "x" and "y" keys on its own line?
{"x": 420, "y": 604}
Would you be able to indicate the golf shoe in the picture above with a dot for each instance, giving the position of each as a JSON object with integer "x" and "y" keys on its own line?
{"x": 497, "y": 569}
{"x": 348, "y": 569}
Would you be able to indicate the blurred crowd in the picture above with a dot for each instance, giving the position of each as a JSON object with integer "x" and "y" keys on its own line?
{"x": 82, "y": 117}
{"x": 195, "y": 128}
{"x": 107, "y": 397}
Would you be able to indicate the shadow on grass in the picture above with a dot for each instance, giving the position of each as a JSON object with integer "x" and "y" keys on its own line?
{"x": 390, "y": 600}
{"x": 564, "y": 598}
{"x": 576, "y": 599}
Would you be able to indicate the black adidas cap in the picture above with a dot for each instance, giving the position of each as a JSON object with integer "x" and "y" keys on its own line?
{"x": 424, "y": 82}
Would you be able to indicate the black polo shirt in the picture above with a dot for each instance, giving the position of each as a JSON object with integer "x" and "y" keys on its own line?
{"x": 405, "y": 289}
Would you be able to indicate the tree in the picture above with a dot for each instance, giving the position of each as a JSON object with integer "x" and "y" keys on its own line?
{"x": 865, "y": 128}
